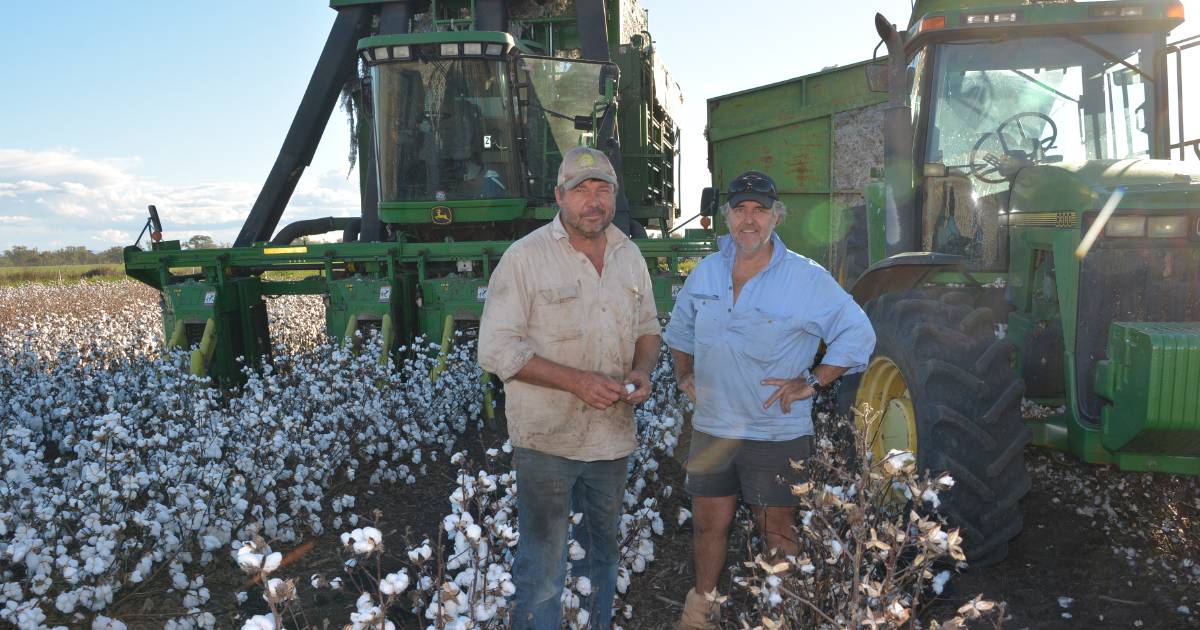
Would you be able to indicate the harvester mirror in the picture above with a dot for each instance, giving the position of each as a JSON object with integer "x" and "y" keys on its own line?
{"x": 154, "y": 221}
{"x": 583, "y": 123}
{"x": 708, "y": 202}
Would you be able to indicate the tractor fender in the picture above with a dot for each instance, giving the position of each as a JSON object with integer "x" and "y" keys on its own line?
{"x": 901, "y": 272}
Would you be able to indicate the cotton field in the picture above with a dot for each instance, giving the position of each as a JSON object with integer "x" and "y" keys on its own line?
{"x": 330, "y": 491}
{"x": 130, "y": 485}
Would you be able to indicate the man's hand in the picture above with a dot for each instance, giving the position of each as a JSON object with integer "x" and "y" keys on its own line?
{"x": 641, "y": 381}
{"x": 598, "y": 390}
{"x": 687, "y": 383}
{"x": 790, "y": 390}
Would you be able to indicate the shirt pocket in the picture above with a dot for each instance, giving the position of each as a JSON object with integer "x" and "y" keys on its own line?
{"x": 629, "y": 311}
{"x": 765, "y": 333}
{"x": 710, "y": 318}
{"x": 559, "y": 313}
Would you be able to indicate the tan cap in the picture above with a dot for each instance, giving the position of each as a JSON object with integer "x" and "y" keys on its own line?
{"x": 583, "y": 163}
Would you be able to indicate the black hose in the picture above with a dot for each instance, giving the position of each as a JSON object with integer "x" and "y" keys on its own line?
{"x": 309, "y": 227}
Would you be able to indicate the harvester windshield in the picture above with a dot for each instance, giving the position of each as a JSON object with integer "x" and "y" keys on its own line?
{"x": 999, "y": 105}
{"x": 445, "y": 130}
{"x": 562, "y": 111}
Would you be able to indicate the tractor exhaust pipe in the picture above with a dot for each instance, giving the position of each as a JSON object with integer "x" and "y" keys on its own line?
{"x": 902, "y": 223}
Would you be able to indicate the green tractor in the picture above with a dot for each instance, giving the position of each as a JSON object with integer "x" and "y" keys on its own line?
{"x": 464, "y": 109}
{"x": 952, "y": 187}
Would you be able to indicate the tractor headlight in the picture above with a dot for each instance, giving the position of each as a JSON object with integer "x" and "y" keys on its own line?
{"x": 1126, "y": 226}
{"x": 1167, "y": 227}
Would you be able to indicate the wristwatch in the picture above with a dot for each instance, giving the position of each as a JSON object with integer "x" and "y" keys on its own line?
{"x": 811, "y": 379}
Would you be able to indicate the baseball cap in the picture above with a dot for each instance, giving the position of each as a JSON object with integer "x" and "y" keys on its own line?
{"x": 583, "y": 163}
{"x": 753, "y": 186}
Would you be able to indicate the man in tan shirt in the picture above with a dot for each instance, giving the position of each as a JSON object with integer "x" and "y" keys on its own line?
{"x": 571, "y": 327}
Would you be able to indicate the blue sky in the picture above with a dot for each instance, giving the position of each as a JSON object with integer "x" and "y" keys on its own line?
{"x": 110, "y": 106}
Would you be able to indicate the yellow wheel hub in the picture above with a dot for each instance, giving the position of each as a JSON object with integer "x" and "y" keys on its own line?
{"x": 884, "y": 389}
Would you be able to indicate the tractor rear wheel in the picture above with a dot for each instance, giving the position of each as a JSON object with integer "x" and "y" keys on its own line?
{"x": 943, "y": 381}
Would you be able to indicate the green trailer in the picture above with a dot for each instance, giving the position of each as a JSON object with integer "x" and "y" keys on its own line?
{"x": 951, "y": 187}
{"x": 464, "y": 109}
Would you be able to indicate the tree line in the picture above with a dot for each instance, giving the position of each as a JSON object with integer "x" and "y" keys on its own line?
{"x": 21, "y": 256}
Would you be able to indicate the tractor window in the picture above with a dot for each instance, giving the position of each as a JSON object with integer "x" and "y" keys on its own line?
{"x": 999, "y": 106}
{"x": 1002, "y": 105}
{"x": 564, "y": 92}
{"x": 1183, "y": 58}
{"x": 444, "y": 130}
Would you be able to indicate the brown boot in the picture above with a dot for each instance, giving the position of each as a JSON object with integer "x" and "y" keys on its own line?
{"x": 699, "y": 613}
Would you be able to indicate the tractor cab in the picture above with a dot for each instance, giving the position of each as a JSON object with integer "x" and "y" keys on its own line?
{"x": 994, "y": 91}
{"x": 469, "y": 130}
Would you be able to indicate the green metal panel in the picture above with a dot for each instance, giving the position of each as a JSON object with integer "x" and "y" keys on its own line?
{"x": 359, "y": 300}
{"x": 461, "y": 210}
{"x": 787, "y": 130}
{"x": 1152, "y": 377}
{"x": 238, "y": 315}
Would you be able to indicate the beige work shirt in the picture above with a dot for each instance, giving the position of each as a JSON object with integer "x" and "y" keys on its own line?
{"x": 545, "y": 298}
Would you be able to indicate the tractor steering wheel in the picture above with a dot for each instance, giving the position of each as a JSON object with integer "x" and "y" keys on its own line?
{"x": 988, "y": 167}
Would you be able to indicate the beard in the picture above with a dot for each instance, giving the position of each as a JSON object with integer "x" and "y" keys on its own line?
{"x": 589, "y": 223}
{"x": 745, "y": 246}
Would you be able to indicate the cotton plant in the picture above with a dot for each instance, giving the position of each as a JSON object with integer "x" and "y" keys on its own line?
{"x": 871, "y": 544}
{"x": 120, "y": 467}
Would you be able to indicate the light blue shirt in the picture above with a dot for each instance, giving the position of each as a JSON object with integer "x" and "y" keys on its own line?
{"x": 773, "y": 331}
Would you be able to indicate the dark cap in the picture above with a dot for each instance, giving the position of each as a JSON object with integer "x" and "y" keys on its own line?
{"x": 753, "y": 186}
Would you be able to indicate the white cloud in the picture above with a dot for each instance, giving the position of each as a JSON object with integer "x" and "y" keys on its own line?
{"x": 60, "y": 164}
{"x": 112, "y": 237}
{"x": 90, "y": 200}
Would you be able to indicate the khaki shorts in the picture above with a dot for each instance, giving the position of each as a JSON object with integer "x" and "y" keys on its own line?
{"x": 760, "y": 471}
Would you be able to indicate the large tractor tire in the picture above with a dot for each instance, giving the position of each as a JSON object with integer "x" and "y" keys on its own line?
{"x": 944, "y": 383}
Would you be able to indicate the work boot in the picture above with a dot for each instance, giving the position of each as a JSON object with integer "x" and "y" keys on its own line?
{"x": 699, "y": 613}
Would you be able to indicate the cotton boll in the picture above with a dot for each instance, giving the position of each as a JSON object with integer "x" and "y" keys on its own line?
{"x": 259, "y": 622}
{"x": 394, "y": 583}
{"x": 939, "y": 582}
{"x": 583, "y": 586}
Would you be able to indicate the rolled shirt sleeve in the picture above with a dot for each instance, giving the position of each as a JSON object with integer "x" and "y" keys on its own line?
{"x": 849, "y": 337}
{"x": 503, "y": 345}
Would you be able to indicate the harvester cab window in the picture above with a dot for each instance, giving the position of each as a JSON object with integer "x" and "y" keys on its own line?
{"x": 564, "y": 105}
{"x": 445, "y": 130}
{"x": 1000, "y": 106}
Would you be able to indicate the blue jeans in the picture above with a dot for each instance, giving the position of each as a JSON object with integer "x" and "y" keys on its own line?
{"x": 548, "y": 488}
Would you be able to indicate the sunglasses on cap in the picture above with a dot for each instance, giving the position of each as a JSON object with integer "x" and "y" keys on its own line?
{"x": 753, "y": 183}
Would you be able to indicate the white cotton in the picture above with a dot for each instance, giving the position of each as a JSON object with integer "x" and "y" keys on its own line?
{"x": 939, "y": 582}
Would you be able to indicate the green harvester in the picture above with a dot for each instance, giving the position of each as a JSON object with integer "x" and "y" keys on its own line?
{"x": 464, "y": 109}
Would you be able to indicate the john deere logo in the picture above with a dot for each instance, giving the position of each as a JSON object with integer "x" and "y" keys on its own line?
{"x": 442, "y": 215}
{"x": 587, "y": 160}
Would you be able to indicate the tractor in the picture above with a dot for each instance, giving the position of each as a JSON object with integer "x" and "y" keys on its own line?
{"x": 463, "y": 111}
{"x": 1004, "y": 196}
